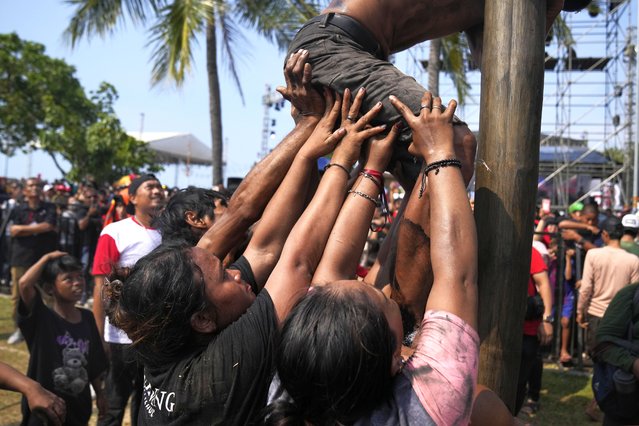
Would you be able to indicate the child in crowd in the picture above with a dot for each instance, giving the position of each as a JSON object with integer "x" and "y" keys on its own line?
{"x": 64, "y": 344}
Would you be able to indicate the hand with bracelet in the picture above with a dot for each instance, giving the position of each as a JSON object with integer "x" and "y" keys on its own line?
{"x": 432, "y": 128}
{"x": 306, "y": 101}
{"x": 348, "y": 237}
{"x": 378, "y": 152}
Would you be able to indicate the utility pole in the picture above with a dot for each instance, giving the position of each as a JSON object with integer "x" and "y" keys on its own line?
{"x": 268, "y": 100}
{"x": 629, "y": 158}
{"x": 633, "y": 81}
{"x": 512, "y": 83}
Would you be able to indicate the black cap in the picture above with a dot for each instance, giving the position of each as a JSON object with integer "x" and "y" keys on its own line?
{"x": 133, "y": 187}
{"x": 135, "y": 183}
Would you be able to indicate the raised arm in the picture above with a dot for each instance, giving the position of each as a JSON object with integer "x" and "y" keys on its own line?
{"x": 30, "y": 278}
{"x": 347, "y": 239}
{"x": 454, "y": 245}
{"x": 410, "y": 286}
{"x": 290, "y": 198}
{"x": 257, "y": 188}
{"x": 572, "y": 235}
{"x": 303, "y": 248}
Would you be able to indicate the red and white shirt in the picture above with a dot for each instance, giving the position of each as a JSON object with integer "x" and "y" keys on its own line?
{"x": 122, "y": 244}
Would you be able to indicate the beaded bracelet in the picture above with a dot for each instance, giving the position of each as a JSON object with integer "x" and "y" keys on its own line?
{"x": 442, "y": 163}
{"x": 436, "y": 165}
{"x": 368, "y": 197}
{"x": 326, "y": 167}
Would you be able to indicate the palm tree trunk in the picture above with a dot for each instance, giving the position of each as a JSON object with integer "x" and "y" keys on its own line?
{"x": 434, "y": 66}
{"x": 215, "y": 108}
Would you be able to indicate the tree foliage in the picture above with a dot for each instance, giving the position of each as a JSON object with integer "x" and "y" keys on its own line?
{"x": 176, "y": 25}
{"x": 615, "y": 154}
{"x": 43, "y": 105}
{"x": 38, "y": 94}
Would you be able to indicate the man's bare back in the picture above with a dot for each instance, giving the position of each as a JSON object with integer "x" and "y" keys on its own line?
{"x": 400, "y": 24}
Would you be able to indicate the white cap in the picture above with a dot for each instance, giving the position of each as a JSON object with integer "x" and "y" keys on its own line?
{"x": 630, "y": 221}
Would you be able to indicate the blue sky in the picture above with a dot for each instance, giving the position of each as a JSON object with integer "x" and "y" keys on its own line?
{"x": 123, "y": 60}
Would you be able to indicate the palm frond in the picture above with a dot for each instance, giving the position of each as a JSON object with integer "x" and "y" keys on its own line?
{"x": 231, "y": 38}
{"x": 453, "y": 48}
{"x": 101, "y": 17}
{"x": 173, "y": 38}
{"x": 561, "y": 32}
{"x": 278, "y": 21}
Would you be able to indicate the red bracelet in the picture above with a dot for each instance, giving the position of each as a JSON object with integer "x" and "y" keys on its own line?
{"x": 375, "y": 173}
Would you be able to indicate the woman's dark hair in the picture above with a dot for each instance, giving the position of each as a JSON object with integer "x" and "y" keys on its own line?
{"x": 334, "y": 358}
{"x": 59, "y": 265}
{"x": 171, "y": 221}
{"x": 155, "y": 302}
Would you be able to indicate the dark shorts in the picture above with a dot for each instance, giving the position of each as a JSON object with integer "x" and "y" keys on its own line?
{"x": 342, "y": 61}
{"x": 591, "y": 332}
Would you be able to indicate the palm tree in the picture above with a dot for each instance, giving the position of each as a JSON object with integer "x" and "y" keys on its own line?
{"x": 179, "y": 22}
{"x": 447, "y": 54}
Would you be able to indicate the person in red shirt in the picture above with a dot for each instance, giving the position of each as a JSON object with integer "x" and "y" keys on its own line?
{"x": 537, "y": 331}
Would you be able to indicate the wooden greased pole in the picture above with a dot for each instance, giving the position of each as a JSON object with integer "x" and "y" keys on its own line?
{"x": 506, "y": 181}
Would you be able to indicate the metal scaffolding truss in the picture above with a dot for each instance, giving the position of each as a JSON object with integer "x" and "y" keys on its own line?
{"x": 589, "y": 99}
{"x": 593, "y": 91}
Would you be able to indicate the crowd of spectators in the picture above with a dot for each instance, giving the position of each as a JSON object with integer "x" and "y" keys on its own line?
{"x": 574, "y": 250}
{"x": 332, "y": 296}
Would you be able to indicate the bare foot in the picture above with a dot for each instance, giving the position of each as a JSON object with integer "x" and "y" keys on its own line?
{"x": 565, "y": 357}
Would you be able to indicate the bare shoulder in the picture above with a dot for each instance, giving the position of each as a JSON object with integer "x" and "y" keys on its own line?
{"x": 400, "y": 24}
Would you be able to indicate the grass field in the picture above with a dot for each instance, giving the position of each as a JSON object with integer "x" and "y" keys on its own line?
{"x": 564, "y": 393}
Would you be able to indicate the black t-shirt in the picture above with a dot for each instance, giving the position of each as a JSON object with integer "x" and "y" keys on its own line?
{"x": 89, "y": 237}
{"x": 25, "y": 251}
{"x": 64, "y": 358}
{"x": 246, "y": 272}
{"x": 225, "y": 384}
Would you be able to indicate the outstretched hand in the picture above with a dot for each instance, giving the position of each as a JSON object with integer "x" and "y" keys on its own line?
{"x": 305, "y": 99}
{"x": 432, "y": 127}
{"x": 323, "y": 140}
{"x": 379, "y": 150}
{"x": 358, "y": 130}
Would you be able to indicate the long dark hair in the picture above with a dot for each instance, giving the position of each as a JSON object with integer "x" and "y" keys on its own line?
{"x": 334, "y": 358}
{"x": 171, "y": 221}
{"x": 154, "y": 304}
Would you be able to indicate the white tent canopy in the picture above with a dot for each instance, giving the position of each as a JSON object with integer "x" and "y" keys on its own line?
{"x": 173, "y": 148}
